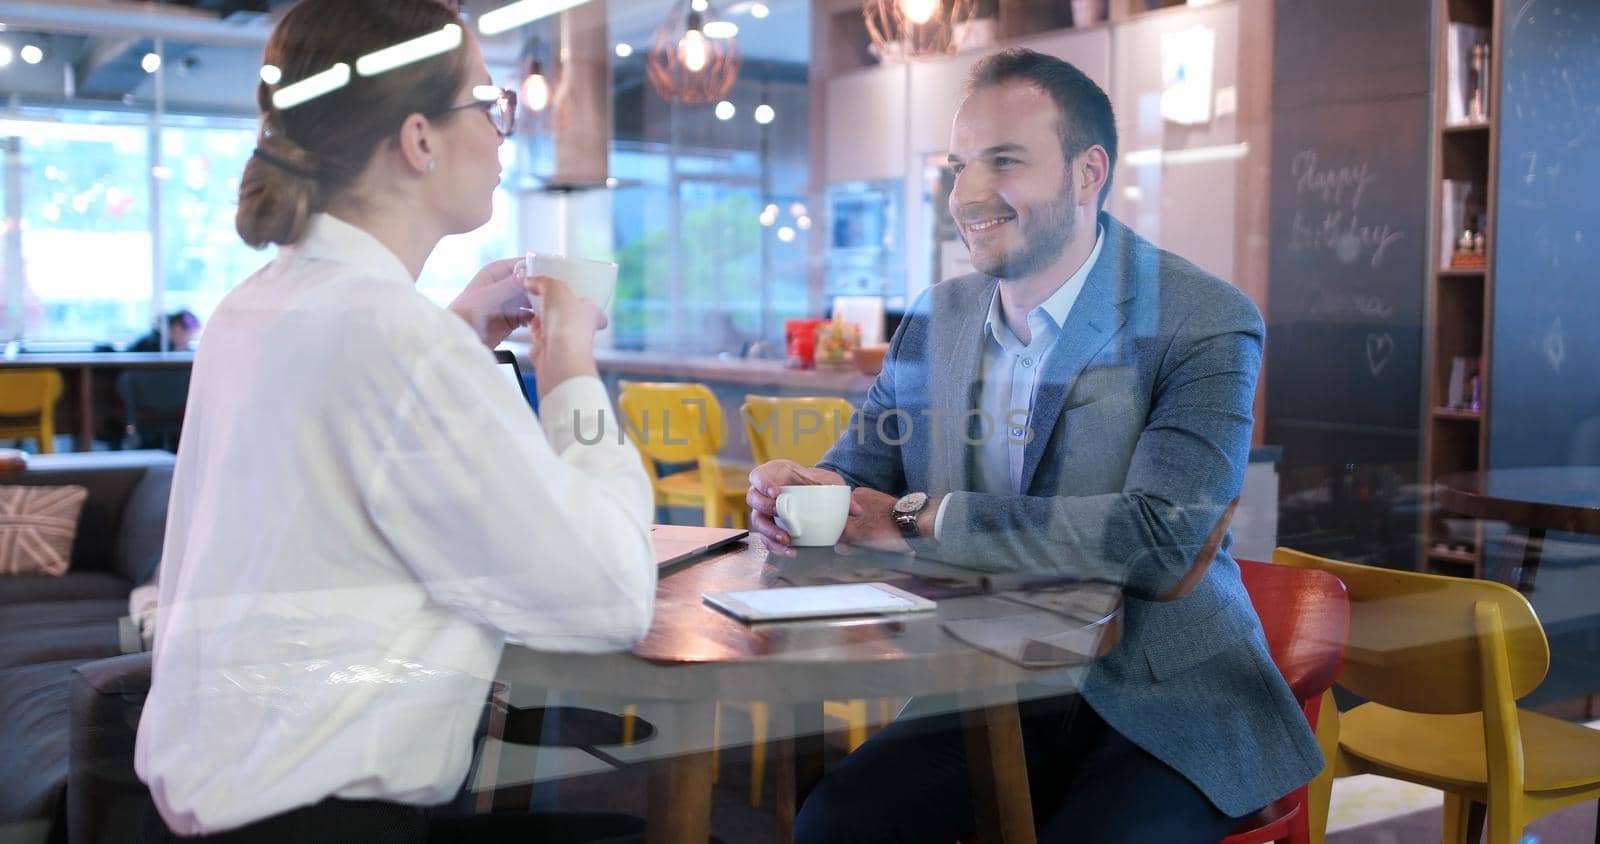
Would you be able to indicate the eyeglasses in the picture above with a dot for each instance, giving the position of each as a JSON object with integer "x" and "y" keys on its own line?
{"x": 500, "y": 104}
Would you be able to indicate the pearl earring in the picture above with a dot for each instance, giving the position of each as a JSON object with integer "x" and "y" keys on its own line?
{"x": 432, "y": 165}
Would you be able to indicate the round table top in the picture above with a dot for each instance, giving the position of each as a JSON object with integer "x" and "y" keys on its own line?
{"x": 12, "y": 461}
{"x": 694, "y": 651}
{"x": 1563, "y": 498}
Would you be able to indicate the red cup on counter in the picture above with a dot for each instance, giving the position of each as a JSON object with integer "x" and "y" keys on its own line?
{"x": 800, "y": 342}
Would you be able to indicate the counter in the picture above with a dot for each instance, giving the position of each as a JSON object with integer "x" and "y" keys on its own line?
{"x": 753, "y": 375}
{"x": 728, "y": 377}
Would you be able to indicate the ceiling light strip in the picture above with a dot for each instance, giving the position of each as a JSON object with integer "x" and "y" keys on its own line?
{"x": 522, "y": 12}
{"x": 311, "y": 87}
{"x": 406, "y": 52}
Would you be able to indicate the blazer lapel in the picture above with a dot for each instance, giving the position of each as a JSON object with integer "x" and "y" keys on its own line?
{"x": 1093, "y": 320}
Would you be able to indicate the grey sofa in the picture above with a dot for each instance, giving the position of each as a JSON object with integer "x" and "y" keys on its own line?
{"x": 70, "y": 699}
{"x": 52, "y": 626}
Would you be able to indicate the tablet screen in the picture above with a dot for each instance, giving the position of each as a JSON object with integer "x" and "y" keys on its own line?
{"x": 815, "y": 601}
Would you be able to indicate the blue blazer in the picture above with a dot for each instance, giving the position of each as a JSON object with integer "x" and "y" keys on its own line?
{"x": 1140, "y": 433}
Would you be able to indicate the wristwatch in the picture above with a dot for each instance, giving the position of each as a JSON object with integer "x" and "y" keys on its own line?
{"x": 906, "y": 511}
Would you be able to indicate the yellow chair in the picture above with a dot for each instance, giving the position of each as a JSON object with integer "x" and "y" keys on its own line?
{"x": 28, "y": 406}
{"x": 682, "y": 423}
{"x": 851, "y": 713}
{"x": 798, "y": 429}
{"x": 1443, "y": 661}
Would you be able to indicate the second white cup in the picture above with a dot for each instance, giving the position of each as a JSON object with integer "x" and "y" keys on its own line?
{"x": 589, "y": 279}
{"x": 813, "y": 515}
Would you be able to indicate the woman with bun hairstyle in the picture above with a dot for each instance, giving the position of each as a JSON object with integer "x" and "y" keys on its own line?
{"x": 362, "y": 511}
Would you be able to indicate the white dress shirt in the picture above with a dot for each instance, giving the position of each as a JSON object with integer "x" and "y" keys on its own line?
{"x": 363, "y": 511}
{"x": 1008, "y": 381}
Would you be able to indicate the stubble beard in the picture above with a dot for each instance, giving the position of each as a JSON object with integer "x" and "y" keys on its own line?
{"x": 1045, "y": 236}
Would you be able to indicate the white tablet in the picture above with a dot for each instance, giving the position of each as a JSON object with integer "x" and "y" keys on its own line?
{"x": 843, "y": 599}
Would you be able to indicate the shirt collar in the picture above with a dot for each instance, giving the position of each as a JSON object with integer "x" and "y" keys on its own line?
{"x": 1059, "y": 304}
{"x": 329, "y": 238}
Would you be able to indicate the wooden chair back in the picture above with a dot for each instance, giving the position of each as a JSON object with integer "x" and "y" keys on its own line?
{"x": 1417, "y": 640}
{"x": 801, "y": 429}
{"x": 671, "y": 422}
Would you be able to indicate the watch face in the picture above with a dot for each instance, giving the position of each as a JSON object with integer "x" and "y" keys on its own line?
{"x": 911, "y": 503}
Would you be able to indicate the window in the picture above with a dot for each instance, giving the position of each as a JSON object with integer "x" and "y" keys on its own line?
{"x": 202, "y": 257}
{"x": 112, "y": 229}
{"x": 710, "y": 227}
{"x": 85, "y": 246}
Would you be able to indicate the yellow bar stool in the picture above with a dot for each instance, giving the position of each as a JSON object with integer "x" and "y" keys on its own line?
{"x": 801, "y": 429}
{"x": 28, "y": 406}
{"x": 1443, "y": 661}
{"x": 682, "y": 423}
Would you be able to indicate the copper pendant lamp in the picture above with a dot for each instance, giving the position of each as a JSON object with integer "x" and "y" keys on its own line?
{"x": 693, "y": 58}
{"x": 902, "y": 30}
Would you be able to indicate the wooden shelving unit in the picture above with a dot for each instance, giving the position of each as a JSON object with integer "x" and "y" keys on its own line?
{"x": 1460, "y": 300}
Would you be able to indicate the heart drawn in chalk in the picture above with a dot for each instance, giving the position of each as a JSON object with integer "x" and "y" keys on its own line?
{"x": 1380, "y": 347}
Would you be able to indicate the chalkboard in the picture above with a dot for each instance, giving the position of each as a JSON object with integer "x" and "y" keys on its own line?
{"x": 1350, "y": 51}
{"x": 1347, "y": 272}
{"x": 1349, "y": 231}
{"x": 1544, "y": 391}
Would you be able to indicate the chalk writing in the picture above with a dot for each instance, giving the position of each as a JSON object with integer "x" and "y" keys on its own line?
{"x": 1380, "y": 347}
{"x": 1337, "y": 305}
{"x": 1555, "y": 346}
{"x": 1337, "y": 226}
{"x": 1331, "y": 184}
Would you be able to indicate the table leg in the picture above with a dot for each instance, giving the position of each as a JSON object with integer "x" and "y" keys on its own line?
{"x": 800, "y": 762}
{"x": 85, "y": 437}
{"x": 1532, "y": 550}
{"x": 680, "y": 787}
{"x": 998, "y": 769}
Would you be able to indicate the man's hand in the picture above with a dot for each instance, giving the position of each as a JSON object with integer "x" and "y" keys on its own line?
{"x": 491, "y": 303}
{"x": 871, "y": 523}
{"x": 763, "y": 498}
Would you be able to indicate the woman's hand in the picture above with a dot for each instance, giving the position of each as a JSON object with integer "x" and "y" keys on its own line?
{"x": 492, "y": 302}
{"x": 563, "y": 333}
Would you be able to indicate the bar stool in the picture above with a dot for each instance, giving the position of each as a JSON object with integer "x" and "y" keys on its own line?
{"x": 682, "y": 423}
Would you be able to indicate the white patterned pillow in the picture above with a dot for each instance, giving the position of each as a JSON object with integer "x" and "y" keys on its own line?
{"x": 37, "y": 524}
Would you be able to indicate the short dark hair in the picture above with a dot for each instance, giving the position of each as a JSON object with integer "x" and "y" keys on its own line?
{"x": 1086, "y": 115}
{"x": 185, "y": 318}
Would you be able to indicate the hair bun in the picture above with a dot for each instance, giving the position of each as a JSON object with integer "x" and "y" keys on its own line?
{"x": 278, "y": 193}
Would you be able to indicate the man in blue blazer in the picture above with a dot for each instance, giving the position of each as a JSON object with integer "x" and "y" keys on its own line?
{"x": 1080, "y": 407}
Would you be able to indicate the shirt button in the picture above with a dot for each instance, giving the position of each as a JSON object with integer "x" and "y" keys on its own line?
{"x": 1027, "y": 361}
{"x": 1017, "y": 433}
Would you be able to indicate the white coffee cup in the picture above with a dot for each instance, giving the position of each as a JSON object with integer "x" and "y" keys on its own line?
{"x": 813, "y": 515}
{"x": 592, "y": 280}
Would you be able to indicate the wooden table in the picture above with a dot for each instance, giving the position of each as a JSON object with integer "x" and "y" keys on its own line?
{"x": 84, "y": 364}
{"x": 1532, "y": 501}
{"x": 694, "y": 656}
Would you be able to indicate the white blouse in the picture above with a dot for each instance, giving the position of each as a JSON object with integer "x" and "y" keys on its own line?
{"x": 362, "y": 513}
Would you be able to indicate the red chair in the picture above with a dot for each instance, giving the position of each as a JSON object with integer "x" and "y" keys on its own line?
{"x": 1306, "y": 616}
